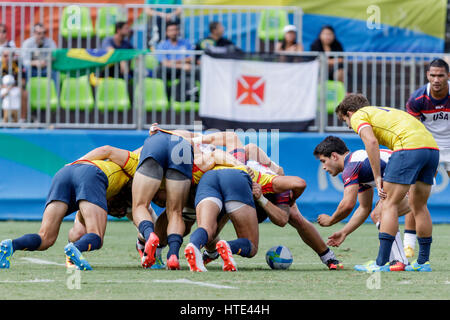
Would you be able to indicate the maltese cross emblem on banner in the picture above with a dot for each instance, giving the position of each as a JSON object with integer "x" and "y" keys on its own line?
{"x": 250, "y": 90}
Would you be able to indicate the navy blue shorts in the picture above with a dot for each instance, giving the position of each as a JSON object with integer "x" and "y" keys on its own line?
{"x": 226, "y": 185}
{"x": 409, "y": 166}
{"x": 79, "y": 182}
{"x": 170, "y": 151}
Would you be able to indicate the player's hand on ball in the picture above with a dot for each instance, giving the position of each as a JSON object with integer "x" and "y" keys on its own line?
{"x": 336, "y": 239}
{"x": 324, "y": 220}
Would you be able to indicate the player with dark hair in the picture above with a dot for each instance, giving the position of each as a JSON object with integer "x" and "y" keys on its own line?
{"x": 358, "y": 185}
{"x": 411, "y": 167}
{"x": 431, "y": 105}
{"x": 83, "y": 185}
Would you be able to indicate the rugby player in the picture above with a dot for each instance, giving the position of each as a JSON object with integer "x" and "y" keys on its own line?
{"x": 170, "y": 156}
{"x": 231, "y": 189}
{"x": 412, "y": 166}
{"x": 83, "y": 185}
{"x": 271, "y": 205}
{"x": 358, "y": 185}
{"x": 431, "y": 105}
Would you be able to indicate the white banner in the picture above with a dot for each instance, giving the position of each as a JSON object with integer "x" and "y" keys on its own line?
{"x": 255, "y": 91}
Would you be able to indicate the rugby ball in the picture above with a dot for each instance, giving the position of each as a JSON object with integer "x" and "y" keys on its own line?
{"x": 279, "y": 257}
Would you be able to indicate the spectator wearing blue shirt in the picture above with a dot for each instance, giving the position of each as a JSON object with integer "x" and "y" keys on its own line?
{"x": 177, "y": 65}
{"x": 175, "y": 61}
{"x": 119, "y": 41}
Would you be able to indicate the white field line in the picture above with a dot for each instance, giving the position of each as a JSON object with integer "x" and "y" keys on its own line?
{"x": 27, "y": 281}
{"x": 41, "y": 261}
{"x": 197, "y": 283}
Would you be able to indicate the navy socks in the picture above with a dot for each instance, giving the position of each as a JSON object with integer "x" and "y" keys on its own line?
{"x": 384, "y": 251}
{"x": 199, "y": 238}
{"x": 174, "y": 241}
{"x": 89, "y": 242}
{"x": 146, "y": 228}
{"x": 29, "y": 242}
{"x": 424, "y": 249}
{"x": 241, "y": 246}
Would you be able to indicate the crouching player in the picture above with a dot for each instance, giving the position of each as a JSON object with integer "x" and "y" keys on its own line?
{"x": 358, "y": 185}
{"x": 85, "y": 186}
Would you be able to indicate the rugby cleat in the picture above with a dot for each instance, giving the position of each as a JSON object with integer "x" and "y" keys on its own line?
{"x": 140, "y": 248}
{"x": 409, "y": 251}
{"x": 334, "y": 264}
{"x": 371, "y": 266}
{"x": 148, "y": 259}
{"x": 223, "y": 248}
{"x": 209, "y": 256}
{"x": 69, "y": 264}
{"x": 425, "y": 267}
{"x": 6, "y": 252}
{"x": 173, "y": 263}
{"x": 76, "y": 257}
{"x": 159, "y": 263}
{"x": 194, "y": 258}
{"x": 396, "y": 265}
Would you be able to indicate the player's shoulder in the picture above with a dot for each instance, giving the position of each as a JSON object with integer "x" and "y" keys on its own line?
{"x": 358, "y": 156}
{"x": 419, "y": 96}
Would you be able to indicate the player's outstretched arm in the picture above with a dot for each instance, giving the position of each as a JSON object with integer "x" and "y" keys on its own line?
{"x": 358, "y": 218}
{"x": 344, "y": 208}
{"x": 228, "y": 139}
{"x": 116, "y": 155}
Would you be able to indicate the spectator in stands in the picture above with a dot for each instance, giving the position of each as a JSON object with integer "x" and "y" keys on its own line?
{"x": 37, "y": 61}
{"x": 13, "y": 90}
{"x": 159, "y": 18}
{"x": 174, "y": 42}
{"x": 327, "y": 42}
{"x": 289, "y": 43}
{"x": 215, "y": 37}
{"x": 177, "y": 65}
{"x": 4, "y": 42}
{"x": 120, "y": 40}
{"x": 215, "y": 41}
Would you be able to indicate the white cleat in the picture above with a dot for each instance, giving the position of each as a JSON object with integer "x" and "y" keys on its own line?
{"x": 194, "y": 258}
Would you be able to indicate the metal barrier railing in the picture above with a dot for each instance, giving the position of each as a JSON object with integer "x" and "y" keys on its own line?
{"x": 153, "y": 92}
{"x": 251, "y": 28}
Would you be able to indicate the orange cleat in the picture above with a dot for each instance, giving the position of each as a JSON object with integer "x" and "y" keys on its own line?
{"x": 334, "y": 265}
{"x": 397, "y": 266}
{"x": 148, "y": 259}
{"x": 194, "y": 258}
{"x": 223, "y": 248}
{"x": 173, "y": 263}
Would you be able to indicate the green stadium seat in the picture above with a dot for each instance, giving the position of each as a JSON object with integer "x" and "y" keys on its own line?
{"x": 271, "y": 24}
{"x": 76, "y": 93}
{"x": 150, "y": 61}
{"x": 187, "y": 105}
{"x": 179, "y": 106}
{"x": 335, "y": 94}
{"x": 76, "y": 20}
{"x": 112, "y": 94}
{"x": 106, "y": 21}
{"x": 154, "y": 95}
{"x": 39, "y": 92}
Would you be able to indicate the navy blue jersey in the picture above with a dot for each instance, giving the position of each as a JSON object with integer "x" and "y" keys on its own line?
{"x": 433, "y": 113}
{"x": 357, "y": 169}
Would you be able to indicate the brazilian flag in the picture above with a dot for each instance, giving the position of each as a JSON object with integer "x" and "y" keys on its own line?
{"x": 83, "y": 61}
